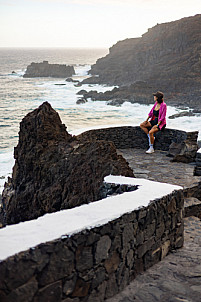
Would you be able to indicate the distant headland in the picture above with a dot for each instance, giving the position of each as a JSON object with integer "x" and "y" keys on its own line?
{"x": 166, "y": 58}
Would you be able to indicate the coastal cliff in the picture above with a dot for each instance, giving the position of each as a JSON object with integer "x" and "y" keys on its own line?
{"x": 167, "y": 58}
{"x": 45, "y": 69}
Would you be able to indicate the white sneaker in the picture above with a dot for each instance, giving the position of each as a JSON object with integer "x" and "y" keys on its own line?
{"x": 150, "y": 150}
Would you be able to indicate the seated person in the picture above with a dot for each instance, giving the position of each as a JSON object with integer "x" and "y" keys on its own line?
{"x": 157, "y": 121}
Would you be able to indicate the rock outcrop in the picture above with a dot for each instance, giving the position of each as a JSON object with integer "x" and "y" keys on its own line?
{"x": 138, "y": 92}
{"x": 165, "y": 58}
{"x": 183, "y": 113}
{"x": 54, "y": 170}
{"x": 185, "y": 151}
{"x": 45, "y": 69}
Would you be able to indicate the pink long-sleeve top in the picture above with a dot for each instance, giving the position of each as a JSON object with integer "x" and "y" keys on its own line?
{"x": 162, "y": 114}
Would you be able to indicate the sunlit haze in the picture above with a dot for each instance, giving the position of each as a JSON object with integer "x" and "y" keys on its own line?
{"x": 84, "y": 23}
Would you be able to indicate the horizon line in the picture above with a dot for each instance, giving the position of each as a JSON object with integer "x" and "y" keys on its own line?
{"x": 66, "y": 47}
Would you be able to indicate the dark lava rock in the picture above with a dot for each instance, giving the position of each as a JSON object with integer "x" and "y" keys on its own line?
{"x": 54, "y": 170}
{"x": 78, "y": 84}
{"x": 71, "y": 80}
{"x": 45, "y": 69}
{"x": 81, "y": 92}
{"x": 81, "y": 101}
{"x": 183, "y": 113}
{"x": 167, "y": 58}
{"x": 91, "y": 80}
{"x": 197, "y": 110}
{"x": 185, "y": 151}
{"x": 114, "y": 189}
{"x": 116, "y": 102}
{"x": 197, "y": 170}
{"x": 139, "y": 92}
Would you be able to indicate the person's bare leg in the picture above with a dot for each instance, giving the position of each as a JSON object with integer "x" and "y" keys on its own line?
{"x": 151, "y": 134}
{"x": 144, "y": 126}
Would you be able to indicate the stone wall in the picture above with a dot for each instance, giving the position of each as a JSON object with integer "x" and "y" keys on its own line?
{"x": 133, "y": 137}
{"x": 95, "y": 264}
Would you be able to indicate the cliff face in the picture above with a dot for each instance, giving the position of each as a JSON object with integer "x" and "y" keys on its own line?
{"x": 168, "y": 57}
{"x": 45, "y": 69}
{"x": 54, "y": 170}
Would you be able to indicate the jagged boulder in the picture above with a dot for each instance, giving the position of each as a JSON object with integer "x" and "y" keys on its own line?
{"x": 54, "y": 170}
{"x": 185, "y": 151}
{"x": 81, "y": 101}
{"x": 45, "y": 69}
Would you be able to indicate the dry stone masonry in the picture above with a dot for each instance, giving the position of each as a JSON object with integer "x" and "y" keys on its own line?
{"x": 133, "y": 137}
{"x": 97, "y": 263}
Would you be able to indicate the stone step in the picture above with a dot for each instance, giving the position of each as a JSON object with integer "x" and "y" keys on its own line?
{"x": 192, "y": 207}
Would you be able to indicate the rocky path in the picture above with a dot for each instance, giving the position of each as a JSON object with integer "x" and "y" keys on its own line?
{"x": 158, "y": 166}
{"x": 178, "y": 276}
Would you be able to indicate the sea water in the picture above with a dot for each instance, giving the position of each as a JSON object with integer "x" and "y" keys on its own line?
{"x": 21, "y": 95}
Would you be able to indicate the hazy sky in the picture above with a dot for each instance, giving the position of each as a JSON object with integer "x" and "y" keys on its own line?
{"x": 84, "y": 23}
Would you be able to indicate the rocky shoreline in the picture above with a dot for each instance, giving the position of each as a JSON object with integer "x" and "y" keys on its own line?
{"x": 139, "y": 93}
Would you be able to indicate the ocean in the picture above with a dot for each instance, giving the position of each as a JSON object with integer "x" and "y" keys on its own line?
{"x": 21, "y": 95}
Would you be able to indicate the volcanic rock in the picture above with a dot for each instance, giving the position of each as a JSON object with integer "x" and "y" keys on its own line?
{"x": 139, "y": 92}
{"x": 183, "y": 113}
{"x": 116, "y": 102}
{"x": 167, "y": 58}
{"x": 54, "y": 170}
{"x": 45, "y": 69}
{"x": 197, "y": 170}
{"x": 71, "y": 80}
{"x": 78, "y": 84}
{"x": 91, "y": 80}
{"x": 185, "y": 151}
{"x": 81, "y": 101}
{"x": 81, "y": 92}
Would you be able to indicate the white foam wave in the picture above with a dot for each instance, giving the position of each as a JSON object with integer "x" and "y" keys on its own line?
{"x": 6, "y": 164}
{"x": 82, "y": 70}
